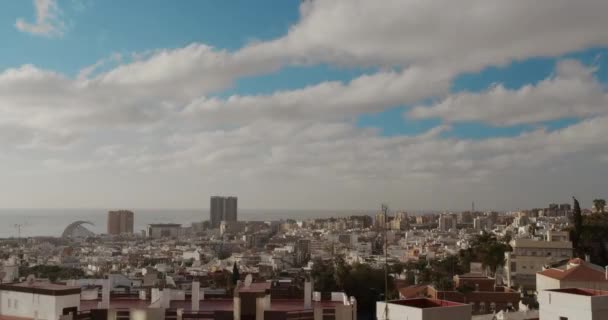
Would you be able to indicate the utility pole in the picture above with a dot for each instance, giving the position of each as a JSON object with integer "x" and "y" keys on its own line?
{"x": 385, "y": 213}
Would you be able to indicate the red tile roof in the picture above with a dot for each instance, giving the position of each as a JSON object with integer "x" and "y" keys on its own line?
{"x": 413, "y": 291}
{"x": 580, "y": 272}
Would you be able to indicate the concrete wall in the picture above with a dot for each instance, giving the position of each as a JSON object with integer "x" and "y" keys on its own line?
{"x": 555, "y": 304}
{"x": 453, "y": 313}
{"x": 400, "y": 312}
{"x": 546, "y": 283}
{"x": 28, "y": 305}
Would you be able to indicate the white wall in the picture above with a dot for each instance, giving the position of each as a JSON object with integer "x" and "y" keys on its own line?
{"x": 397, "y": 312}
{"x": 28, "y": 305}
{"x": 546, "y": 283}
{"x": 400, "y": 312}
{"x": 61, "y": 302}
{"x": 556, "y": 304}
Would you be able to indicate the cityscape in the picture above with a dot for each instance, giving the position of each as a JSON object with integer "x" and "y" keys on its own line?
{"x": 304, "y": 160}
{"x": 462, "y": 265}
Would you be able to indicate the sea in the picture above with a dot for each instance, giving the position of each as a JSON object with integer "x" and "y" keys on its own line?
{"x": 52, "y": 222}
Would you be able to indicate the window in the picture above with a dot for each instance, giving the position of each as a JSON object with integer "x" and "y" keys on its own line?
{"x": 482, "y": 307}
{"x": 16, "y": 303}
{"x": 9, "y": 303}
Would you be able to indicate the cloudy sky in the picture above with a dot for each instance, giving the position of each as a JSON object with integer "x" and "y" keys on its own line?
{"x": 322, "y": 104}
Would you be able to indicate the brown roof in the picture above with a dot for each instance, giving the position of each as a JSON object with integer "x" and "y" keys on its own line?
{"x": 581, "y": 272}
{"x": 413, "y": 291}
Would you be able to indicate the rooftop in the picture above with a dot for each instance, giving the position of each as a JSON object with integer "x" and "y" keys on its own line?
{"x": 45, "y": 288}
{"x": 204, "y": 305}
{"x": 582, "y": 292}
{"x": 578, "y": 270}
{"x": 258, "y": 287}
{"x": 424, "y": 303}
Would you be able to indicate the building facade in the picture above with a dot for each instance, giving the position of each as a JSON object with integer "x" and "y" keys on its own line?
{"x": 37, "y": 300}
{"x": 222, "y": 209}
{"x": 530, "y": 256}
{"x": 573, "y": 304}
{"x": 120, "y": 222}
{"x": 422, "y": 309}
{"x": 576, "y": 273}
{"x": 164, "y": 230}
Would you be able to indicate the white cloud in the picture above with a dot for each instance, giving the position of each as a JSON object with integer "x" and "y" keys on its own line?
{"x": 572, "y": 91}
{"x": 457, "y": 35}
{"x": 48, "y": 20}
{"x": 327, "y": 100}
{"x": 156, "y": 113}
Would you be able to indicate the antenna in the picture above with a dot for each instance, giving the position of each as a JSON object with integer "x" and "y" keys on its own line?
{"x": 385, "y": 212}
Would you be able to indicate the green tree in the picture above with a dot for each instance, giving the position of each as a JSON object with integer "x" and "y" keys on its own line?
{"x": 599, "y": 205}
{"x": 235, "y": 274}
{"x": 485, "y": 248}
{"x": 575, "y": 233}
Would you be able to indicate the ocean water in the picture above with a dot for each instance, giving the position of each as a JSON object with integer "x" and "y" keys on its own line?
{"x": 52, "y": 222}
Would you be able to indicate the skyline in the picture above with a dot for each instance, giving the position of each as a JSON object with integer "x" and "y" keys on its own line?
{"x": 291, "y": 105}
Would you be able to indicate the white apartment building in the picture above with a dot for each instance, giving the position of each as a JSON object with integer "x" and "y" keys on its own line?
{"x": 529, "y": 256}
{"x": 573, "y": 304}
{"x": 38, "y": 300}
{"x": 577, "y": 273}
{"x": 422, "y": 309}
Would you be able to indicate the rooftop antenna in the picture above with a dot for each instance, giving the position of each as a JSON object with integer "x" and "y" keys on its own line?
{"x": 385, "y": 212}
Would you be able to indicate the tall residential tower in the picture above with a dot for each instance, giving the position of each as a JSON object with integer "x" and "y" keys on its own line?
{"x": 120, "y": 222}
{"x": 222, "y": 209}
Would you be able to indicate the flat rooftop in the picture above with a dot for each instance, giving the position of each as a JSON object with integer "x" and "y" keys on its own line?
{"x": 424, "y": 303}
{"x": 205, "y": 305}
{"x": 582, "y": 292}
{"x": 44, "y": 288}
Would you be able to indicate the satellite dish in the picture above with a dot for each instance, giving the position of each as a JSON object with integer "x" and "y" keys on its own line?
{"x": 248, "y": 280}
{"x": 30, "y": 279}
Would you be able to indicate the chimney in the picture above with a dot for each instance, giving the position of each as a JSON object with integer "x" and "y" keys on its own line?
{"x": 606, "y": 273}
{"x": 587, "y": 257}
{"x": 105, "y": 295}
{"x": 196, "y": 291}
{"x": 307, "y": 294}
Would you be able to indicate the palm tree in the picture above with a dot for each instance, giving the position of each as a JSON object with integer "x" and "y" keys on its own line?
{"x": 599, "y": 205}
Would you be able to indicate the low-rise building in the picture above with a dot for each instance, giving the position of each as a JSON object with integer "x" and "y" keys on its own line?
{"x": 576, "y": 273}
{"x": 422, "y": 309}
{"x": 573, "y": 304}
{"x": 164, "y": 230}
{"x": 38, "y": 300}
{"x": 529, "y": 256}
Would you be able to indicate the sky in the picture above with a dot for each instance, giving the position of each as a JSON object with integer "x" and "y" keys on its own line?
{"x": 313, "y": 104}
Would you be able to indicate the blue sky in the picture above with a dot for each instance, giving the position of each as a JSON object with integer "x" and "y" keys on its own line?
{"x": 239, "y": 90}
{"x": 96, "y": 29}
